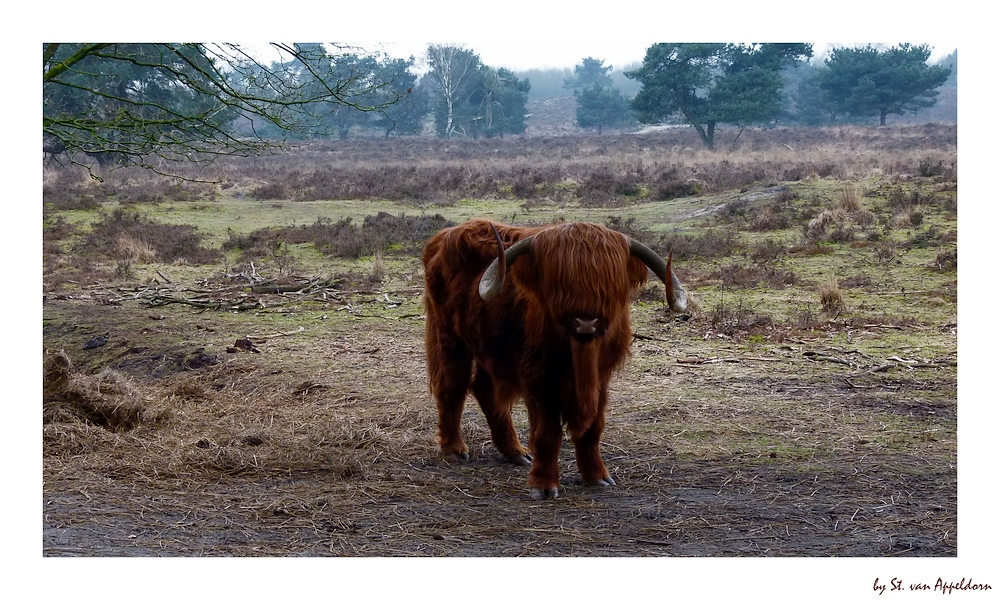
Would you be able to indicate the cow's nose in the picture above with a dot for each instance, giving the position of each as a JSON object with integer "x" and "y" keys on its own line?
{"x": 584, "y": 327}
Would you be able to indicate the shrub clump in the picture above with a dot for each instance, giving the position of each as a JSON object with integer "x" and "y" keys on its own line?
{"x": 604, "y": 187}
{"x": 946, "y": 260}
{"x": 380, "y": 232}
{"x": 731, "y": 319}
{"x": 168, "y": 242}
{"x": 257, "y": 243}
{"x": 671, "y": 184}
{"x": 910, "y": 216}
{"x": 68, "y": 190}
{"x": 748, "y": 277}
{"x": 713, "y": 243}
{"x": 271, "y": 191}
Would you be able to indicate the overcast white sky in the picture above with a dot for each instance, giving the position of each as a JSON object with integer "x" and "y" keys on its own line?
{"x": 526, "y": 34}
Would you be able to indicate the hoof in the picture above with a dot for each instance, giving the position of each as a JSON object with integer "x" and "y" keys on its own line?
{"x": 522, "y": 460}
{"x": 460, "y": 456}
{"x": 601, "y": 482}
{"x": 544, "y": 494}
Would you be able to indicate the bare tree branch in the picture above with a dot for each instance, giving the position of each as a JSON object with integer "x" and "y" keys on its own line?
{"x": 153, "y": 104}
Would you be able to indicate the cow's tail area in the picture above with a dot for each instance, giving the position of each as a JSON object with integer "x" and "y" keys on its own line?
{"x": 587, "y": 383}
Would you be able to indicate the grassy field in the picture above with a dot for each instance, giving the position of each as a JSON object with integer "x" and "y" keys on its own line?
{"x": 261, "y": 390}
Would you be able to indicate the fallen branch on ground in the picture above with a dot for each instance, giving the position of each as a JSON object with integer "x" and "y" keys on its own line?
{"x": 275, "y": 335}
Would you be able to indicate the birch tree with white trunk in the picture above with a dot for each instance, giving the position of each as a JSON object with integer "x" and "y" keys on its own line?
{"x": 451, "y": 69}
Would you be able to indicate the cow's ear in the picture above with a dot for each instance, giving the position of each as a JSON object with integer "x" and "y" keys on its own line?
{"x": 638, "y": 273}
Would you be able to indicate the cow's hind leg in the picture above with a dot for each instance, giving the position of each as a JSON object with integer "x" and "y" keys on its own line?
{"x": 496, "y": 404}
{"x": 449, "y": 372}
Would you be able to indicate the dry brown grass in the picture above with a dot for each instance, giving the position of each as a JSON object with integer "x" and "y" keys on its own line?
{"x": 864, "y": 218}
{"x": 80, "y": 411}
{"x": 885, "y": 252}
{"x": 910, "y": 216}
{"x": 377, "y": 273}
{"x": 768, "y": 218}
{"x": 831, "y": 297}
{"x": 849, "y": 199}
{"x": 127, "y": 251}
{"x": 129, "y": 248}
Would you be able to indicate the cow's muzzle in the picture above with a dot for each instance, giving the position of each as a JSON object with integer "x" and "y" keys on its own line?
{"x": 584, "y": 329}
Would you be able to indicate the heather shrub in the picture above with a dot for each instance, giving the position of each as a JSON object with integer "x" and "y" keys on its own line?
{"x": 67, "y": 189}
{"x": 671, "y": 184}
{"x": 632, "y": 228}
{"x": 713, "y": 243}
{"x": 740, "y": 276}
{"x": 741, "y": 316}
{"x": 767, "y": 251}
{"x": 946, "y": 260}
{"x": 604, "y": 187}
{"x": 377, "y": 233}
{"x": 257, "y": 243}
{"x": 169, "y": 242}
{"x": 271, "y": 191}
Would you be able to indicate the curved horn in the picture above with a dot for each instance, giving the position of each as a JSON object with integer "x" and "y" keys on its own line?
{"x": 676, "y": 296}
{"x": 492, "y": 280}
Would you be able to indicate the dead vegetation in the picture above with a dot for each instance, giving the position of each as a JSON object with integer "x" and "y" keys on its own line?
{"x": 79, "y": 410}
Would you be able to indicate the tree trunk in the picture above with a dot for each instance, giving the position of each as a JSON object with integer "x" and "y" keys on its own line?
{"x": 707, "y": 135}
{"x": 448, "y": 123}
{"x": 882, "y": 113}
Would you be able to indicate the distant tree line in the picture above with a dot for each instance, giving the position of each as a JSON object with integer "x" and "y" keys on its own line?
{"x": 148, "y": 104}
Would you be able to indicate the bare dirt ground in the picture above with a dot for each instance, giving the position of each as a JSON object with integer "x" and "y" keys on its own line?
{"x": 323, "y": 442}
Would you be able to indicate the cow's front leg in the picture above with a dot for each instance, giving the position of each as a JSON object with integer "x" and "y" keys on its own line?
{"x": 588, "y": 456}
{"x": 545, "y": 439}
{"x": 585, "y": 432}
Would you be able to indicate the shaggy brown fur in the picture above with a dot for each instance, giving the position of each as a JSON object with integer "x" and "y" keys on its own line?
{"x": 554, "y": 335}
